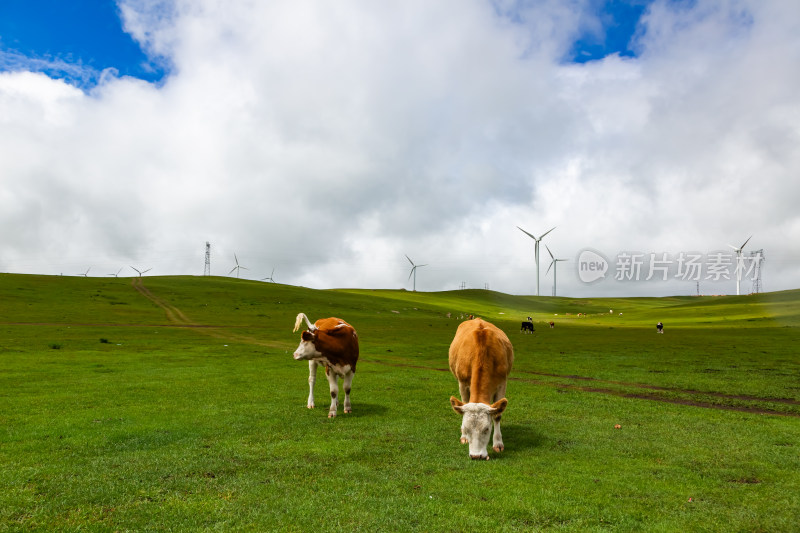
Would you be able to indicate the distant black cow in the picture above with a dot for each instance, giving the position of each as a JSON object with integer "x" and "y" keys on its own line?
{"x": 527, "y": 326}
{"x": 660, "y": 327}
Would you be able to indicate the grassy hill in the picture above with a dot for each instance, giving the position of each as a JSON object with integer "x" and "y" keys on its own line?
{"x": 220, "y": 300}
{"x": 174, "y": 403}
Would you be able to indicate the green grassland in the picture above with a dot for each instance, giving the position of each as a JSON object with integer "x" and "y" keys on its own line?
{"x": 173, "y": 404}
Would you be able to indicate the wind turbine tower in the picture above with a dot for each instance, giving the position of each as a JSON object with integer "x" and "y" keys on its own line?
{"x": 739, "y": 262}
{"x": 207, "y": 269}
{"x": 414, "y": 272}
{"x": 537, "y": 251}
{"x": 554, "y": 266}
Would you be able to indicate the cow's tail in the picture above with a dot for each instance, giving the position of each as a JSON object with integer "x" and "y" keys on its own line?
{"x": 299, "y": 319}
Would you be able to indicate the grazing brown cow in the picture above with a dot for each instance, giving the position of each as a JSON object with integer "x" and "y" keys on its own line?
{"x": 480, "y": 358}
{"x": 332, "y": 343}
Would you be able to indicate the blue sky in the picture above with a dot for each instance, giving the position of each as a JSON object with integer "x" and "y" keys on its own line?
{"x": 84, "y": 33}
{"x": 49, "y": 35}
{"x": 619, "y": 19}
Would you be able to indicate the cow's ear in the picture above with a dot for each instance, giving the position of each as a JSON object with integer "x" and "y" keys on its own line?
{"x": 498, "y": 407}
{"x": 457, "y": 405}
{"x": 307, "y": 336}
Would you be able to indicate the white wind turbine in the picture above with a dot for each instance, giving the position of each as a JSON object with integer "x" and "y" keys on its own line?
{"x": 537, "y": 251}
{"x": 141, "y": 271}
{"x": 86, "y": 274}
{"x": 414, "y": 271}
{"x": 237, "y": 268}
{"x": 117, "y": 274}
{"x": 739, "y": 262}
{"x": 270, "y": 277}
{"x": 554, "y": 266}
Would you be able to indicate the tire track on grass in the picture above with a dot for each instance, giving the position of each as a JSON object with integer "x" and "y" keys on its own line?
{"x": 177, "y": 318}
{"x": 653, "y": 396}
{"x": 722, "y": 395}
{"x": 174, "y": 315}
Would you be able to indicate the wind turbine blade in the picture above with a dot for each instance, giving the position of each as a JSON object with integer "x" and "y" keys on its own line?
{"x": 409, "y": 260}
{"x": 553, "y": 262}
{"x": 745, "y": 242}
{"x": 735, "y": 248}
{"x": 548, "y": 231}
{"x": 234, "y": 268}
{"x": 148, "y": 270}
{"x": 421, "y": 266}
{"x": 526, "y": 233}
{"x": 549, "y": 252}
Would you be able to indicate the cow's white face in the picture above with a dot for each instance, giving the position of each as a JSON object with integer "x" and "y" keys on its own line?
{"x": 476, "y": 424}
{"x": 306, "y": 350}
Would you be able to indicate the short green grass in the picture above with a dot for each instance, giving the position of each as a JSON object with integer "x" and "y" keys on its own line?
{"x": 173, "y": 403}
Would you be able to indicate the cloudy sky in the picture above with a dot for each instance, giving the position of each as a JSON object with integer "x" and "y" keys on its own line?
{"x": 327, "y": 141}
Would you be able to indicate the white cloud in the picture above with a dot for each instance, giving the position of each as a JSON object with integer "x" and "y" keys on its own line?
{"x": 329, "y": 140}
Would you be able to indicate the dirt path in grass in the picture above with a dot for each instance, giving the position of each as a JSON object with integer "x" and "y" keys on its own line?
{"x": 654, "y": 395}
{"x": 174, "y": 315}
{"x": 177, "y": 318}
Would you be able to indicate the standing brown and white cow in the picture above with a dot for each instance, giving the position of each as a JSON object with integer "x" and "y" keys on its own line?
{"x": 332, "y": 343}
{"x": 480, "y": 358}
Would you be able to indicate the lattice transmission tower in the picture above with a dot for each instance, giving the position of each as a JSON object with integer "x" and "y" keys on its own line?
{"x": 757, "y": 258}
{"x": 207, "y": 269}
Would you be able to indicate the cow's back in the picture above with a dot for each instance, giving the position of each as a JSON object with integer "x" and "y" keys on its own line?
{"x": 337, "y": 340}
{"x": 481, "y": 355}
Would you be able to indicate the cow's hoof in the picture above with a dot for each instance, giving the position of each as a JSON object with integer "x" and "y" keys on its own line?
{"x": 331, "y": 415}
{"x": 499, "y": 448}
{"x": 464, "y": 440}
{"x": 310, "y": 406}
{"x": 348, "y": 411}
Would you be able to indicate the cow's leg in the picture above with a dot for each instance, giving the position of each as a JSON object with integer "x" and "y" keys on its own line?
{"x": 497, "y": 438}
{"x": 333, "y": 381}
{"x": 312, "y": 378}
{"x": 346, "y": 383}
{"x": 463, "y": 389}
